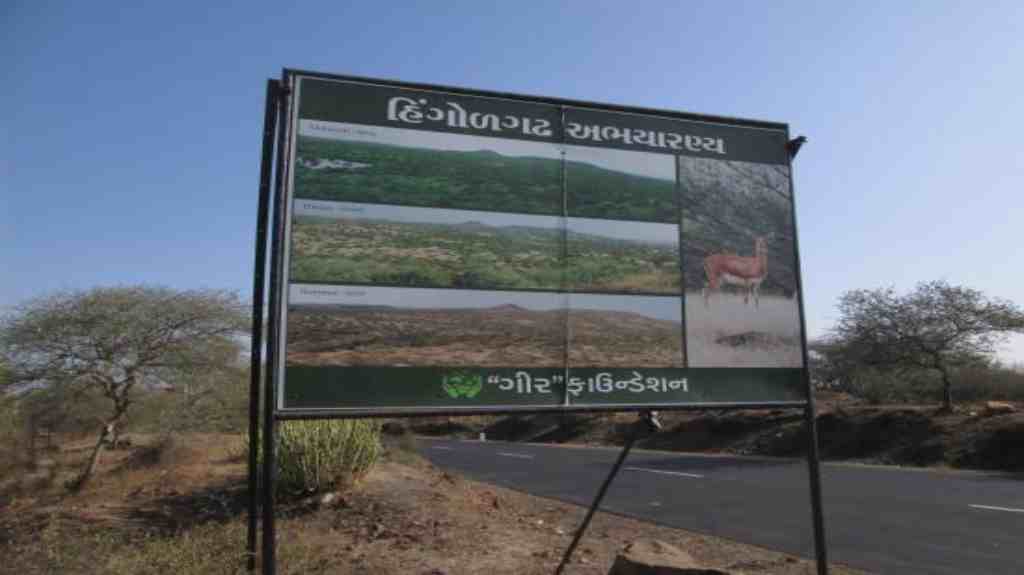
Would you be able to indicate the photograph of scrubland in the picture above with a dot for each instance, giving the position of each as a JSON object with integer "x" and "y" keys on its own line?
{"x": 742, "y": 308}
{"x": 346, "y": 243}
{"x": 381, "y": 165}
{"x": 620, "y": 185}
{"x": 625, "y": 331}
{"x": 619, "y": 256}
{"x": 423, "y": 247}
{"x": 424, "y": 327}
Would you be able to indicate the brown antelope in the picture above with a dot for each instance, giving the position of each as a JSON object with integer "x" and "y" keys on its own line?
{"x": 746, "y": 272}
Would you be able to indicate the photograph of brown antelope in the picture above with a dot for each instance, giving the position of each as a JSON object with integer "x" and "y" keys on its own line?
{"x": 739, "y": 260}
{"x": 747, "y": 272}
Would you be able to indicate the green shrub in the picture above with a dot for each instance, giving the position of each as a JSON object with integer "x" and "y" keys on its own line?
{"x": 316, "y": 456}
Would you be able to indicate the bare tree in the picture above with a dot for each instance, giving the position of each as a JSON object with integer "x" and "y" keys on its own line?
{"x": 115, "y": 341}
{"x": 937, "y": 326}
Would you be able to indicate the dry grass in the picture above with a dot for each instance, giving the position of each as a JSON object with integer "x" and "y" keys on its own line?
{"x": 178, "y": 508}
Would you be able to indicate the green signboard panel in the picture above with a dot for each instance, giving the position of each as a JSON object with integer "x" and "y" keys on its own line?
{"x": 452, "y": 250}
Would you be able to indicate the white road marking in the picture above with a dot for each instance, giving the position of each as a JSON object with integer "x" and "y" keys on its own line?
{"x": 443, "y": 447}
{"x": 994, "y": 508}
{"x": 519, "y": 455}
{"x": 694, "y": 475}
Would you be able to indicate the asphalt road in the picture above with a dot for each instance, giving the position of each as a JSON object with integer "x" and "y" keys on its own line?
{"x": 881, "y": 520}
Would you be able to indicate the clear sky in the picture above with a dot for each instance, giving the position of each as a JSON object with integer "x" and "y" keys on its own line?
{"x": 131, "y": 131}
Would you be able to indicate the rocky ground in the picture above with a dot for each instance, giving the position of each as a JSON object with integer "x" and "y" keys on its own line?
{"x": 974, "y": 436}
{"x": 500, "y": 336}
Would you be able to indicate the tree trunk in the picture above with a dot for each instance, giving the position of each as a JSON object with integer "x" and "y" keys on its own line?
{"x": 947, "y": 391}
{"x": 94, "y": 459}
{"x": 31, "y": 430}
{"x": 115, "y": 435}
{"x": 109, "y": 429}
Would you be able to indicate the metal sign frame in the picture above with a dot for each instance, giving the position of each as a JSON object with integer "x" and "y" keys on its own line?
{"x": 278, "y": 136}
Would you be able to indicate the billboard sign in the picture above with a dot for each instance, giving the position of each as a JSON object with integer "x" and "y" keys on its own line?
{"x": 450, "y": 250}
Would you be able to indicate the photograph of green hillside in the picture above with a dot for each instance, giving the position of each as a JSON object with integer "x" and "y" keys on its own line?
{"x": 421, "y": 327}
{"x": 617, "y": 256}
{"x": 407, "y": 167}
{"x": 742, "y": 305}
{"x": 620, "y": 185}
{"x": 625, "y": 331}
{"x": 420, "y": 247}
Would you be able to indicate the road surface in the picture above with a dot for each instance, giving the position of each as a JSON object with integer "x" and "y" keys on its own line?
{"x": 883, "y": 520}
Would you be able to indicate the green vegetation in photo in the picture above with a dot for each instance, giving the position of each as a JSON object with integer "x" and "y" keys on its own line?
{"x": 487, "y": 180}
{"x": 461, "y": 255}
{"x": 385, "y": 174}
{"x": 475, "y": 255}
{"x": 595, "y": 192}
{"x": 599, "y": 264}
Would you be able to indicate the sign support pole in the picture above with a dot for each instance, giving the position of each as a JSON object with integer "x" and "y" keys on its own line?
{"x": 258, "y": 301}
{"x": 269, "y": 390}
{"x": 650, "y": 418}
{"x": 810, "y": 415}
{"x": 814, "y": 472}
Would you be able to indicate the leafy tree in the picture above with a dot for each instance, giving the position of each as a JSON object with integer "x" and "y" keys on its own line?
{"x": 936, "y": 327}
{"x": 113, "y": 342}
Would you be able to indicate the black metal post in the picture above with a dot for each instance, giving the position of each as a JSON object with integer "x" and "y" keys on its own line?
{"x": 256, "y": 349}
{"x": 270, "y": 399}
{"x": 651, "y": 419}
{"x": 810, "y": 415}
{"x": 814, "y": 471}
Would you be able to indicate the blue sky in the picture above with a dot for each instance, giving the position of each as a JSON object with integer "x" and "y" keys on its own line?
{"x": 131, "y": 132}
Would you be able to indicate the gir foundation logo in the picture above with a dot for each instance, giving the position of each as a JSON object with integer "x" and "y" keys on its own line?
{"x": 458, "y": 385}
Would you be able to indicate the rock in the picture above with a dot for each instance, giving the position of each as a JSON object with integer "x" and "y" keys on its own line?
{"x": 999, "y": 407}
{"x": 652, "y": 557}
{"x": 328, "y": 498}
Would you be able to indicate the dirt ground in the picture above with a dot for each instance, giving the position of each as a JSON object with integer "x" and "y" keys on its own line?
{"x": 770, "y": 331}
{"x": 180, "y": 508}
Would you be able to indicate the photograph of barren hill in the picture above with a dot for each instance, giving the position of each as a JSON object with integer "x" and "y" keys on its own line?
{"x": 620, "y": 185}
{"x": 625, "y": 331}
{"x": 381, "y": 165}
{"x": 742, "y": 305}
{"x": 426, "y": 327}
{"x": 423, "y": 247}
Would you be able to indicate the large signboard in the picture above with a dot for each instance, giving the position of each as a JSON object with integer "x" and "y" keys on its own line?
{"x": 450, "y": 250}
